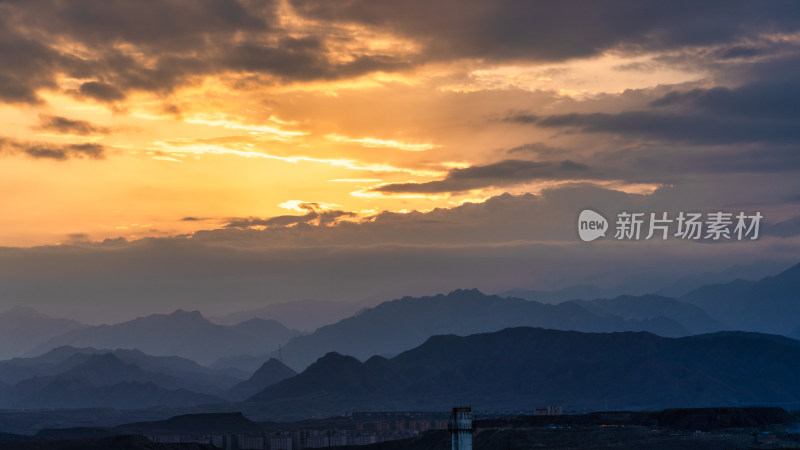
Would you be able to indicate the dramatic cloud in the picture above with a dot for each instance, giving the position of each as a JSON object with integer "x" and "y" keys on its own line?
{"x": 27, "y": 65}
{"x": 100, "y": 91}
{"x": 302, "y": 60}
{"x": 761, "y": 110}
{"x": 508, "y": 241}
{"x": 322, "y": 218}
{"x": 168, "y": 24}
{"x": 536, "y": 148}
{"x": 404, "y": 121}
{"x": 760, "y": 100}
{"x": 503, "y": 173}
{"x": 750, "y": 127}
{"x": 66, "y": 125}
{"x": 506, "y": 218}
{"x": 559, "y": 30}
{"x": 694, "y": 128}
{"x": 59, "y": 152}
{"x": 156, "y": 46}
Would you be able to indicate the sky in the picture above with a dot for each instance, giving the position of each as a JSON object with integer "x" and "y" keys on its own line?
{"x": 220, "y": 155}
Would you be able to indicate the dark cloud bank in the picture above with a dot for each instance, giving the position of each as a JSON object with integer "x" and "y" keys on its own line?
{"x": 181, "y": 39}
{"x": 510, "y": 241}
{"x": 59, "y": 152}
{"x": 65, "y": 125}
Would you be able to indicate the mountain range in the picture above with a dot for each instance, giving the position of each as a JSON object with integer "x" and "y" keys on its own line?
{"x": 304, "y": 315}
{"x": 678, "y": 288}
{"x": 69, "y": 377}
{"x": 394, "y": 326}
{"x": 268, "y": 374}
{"x": 518, "y": 368}
{"x": 693, "y": 318}
{"x": 769, "y": 305}
{"x": 182, "y": 333}
{"x": 22, "y": 328}
{"x": 101, "y": 381}
{"x": 61, "y": 359}
{"x": 164, "y": 359}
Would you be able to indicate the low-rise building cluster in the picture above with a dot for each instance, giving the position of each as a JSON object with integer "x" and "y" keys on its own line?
{"x": 287, "y": 440}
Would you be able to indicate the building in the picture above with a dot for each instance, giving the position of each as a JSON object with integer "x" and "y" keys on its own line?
{"x": 280, "y": 441}
{"x": 547, "y": 410}
{"x": 307, "y": 438}
{"x": 252, "y": 441}
{"x": 460, "y": 427}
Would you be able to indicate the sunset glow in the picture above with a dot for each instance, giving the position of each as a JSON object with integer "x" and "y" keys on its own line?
{"x": 423, "y": 129}
{"x": 223, "y": 142}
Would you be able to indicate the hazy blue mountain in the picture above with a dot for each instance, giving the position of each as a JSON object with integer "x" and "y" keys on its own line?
{"x": 64, "y": 394}
{"x": 103, "y": 369}
{"x": 770, "y": 305}
{"x": 241, "y": 363}
{"x": 517, "y": 368}
{"x": 18, "y": 369}
{"x": 643, "y": 307}
{"x": 753, "y": 271}
{"x": 579, "y": 291}
{"x": 192, "y": 375}
{"x": 101, "y": 381}
{"x": 398, "y": 325}
{"x": 304, "y": 315}
{"x": 268, "y": 374}
{"x": 675, "y": 289}
{"x": 182, "y": 333}
{"x": 107, "y": 369}
{"x": 24, "y": 328}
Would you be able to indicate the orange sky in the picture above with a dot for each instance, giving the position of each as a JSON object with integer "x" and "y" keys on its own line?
{"x": 234, "y": 144}
{"x": 220, "y": 154}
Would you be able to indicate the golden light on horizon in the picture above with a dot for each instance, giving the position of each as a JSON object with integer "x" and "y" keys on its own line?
{"x": 331, "y": 111}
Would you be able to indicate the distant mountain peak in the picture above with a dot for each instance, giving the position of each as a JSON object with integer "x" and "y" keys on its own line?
{"x": 334, "y": 362}
{"x": 187, "y": 334}
{"x": 792, "y": 272}
{"x": 397, "y": 325}
{"x": 23, "y": 328}
{"x": 25, "y": 311}
{"x": 178, "y": 316}
{"x": 271, "y": 372}
{"x": 104, "y": 369}
{"x": 105, "y": 360}
{"x": 331, "y": 357}
{"x": 184, "y": 313}
{"x": 462, "y": 292}
{"x": 273, "y": 369}
{"x": 273, "y": 362}
{"x": 768, "y": 305}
